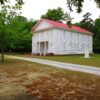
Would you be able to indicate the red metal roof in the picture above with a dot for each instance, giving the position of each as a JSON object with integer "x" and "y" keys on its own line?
{"x": 65, "y": 26}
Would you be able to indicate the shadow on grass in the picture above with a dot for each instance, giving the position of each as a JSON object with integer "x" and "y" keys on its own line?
{"x": 23, "y": 96}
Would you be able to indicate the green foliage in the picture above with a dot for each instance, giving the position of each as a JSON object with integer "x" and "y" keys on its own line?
{"x": 55, "y": 14}
{"x": 58, "y": 15}
{"x": 3, "y": 1}
{"x": 86, "y": 25}
{"x": 20, "y": 29}
{"x": 20, "y": 2}
{"x": 79, "y": 4}
{"x": 7, "y": 13}
{"x": 97, "y": 36}
{"x": 69, "y": 24}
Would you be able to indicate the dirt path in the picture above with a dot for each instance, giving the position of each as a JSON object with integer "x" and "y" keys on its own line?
{"x": 74, "y": 67}
{"x": 12, "y": 86}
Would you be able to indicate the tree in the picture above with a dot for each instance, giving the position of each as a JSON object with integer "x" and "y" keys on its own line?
{"x": 58, "y": 15}
{"x": 79, "y": 4}
{"x": 20, "y": 2}
{"x": 96, "y": 40}
{"x": 7, "y": 13}
{"x": 20, "y": 27}
{"x": 87, "y": 23}
{"x": 55, "y": 14}
{"x": 86, "y": 18}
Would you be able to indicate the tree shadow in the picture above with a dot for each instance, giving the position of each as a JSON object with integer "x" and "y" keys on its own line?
{"x": 23, "y": 96}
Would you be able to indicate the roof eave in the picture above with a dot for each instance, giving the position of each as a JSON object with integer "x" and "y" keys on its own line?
{"x": 41, "y": 30}
{"x": 45, "y": 29}
{"x": 87, "y": 33}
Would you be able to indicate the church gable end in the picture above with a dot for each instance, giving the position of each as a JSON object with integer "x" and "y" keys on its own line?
{"x": 42, "y": 25}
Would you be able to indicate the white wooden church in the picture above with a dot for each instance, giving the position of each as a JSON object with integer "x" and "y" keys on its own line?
{"x": 57, "y": 38}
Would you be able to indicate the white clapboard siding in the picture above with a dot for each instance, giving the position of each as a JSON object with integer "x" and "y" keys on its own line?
{"x": 60, "y": 41}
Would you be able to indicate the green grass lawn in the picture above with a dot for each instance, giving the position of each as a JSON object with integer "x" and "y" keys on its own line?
{"x": 75, "y": 59}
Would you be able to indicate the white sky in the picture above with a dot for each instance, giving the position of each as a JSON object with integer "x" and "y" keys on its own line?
{"x": 35, "y": 8}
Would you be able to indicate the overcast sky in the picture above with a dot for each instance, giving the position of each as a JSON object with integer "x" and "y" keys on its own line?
{"x": 35, "y": 8}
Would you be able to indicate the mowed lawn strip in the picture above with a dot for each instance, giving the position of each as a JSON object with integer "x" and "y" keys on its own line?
{"x": 94, "y": 60}
{"x": 52, "y": 82}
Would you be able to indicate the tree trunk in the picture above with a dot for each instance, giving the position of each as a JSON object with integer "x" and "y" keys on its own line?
{"x": 2, "y": 59}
